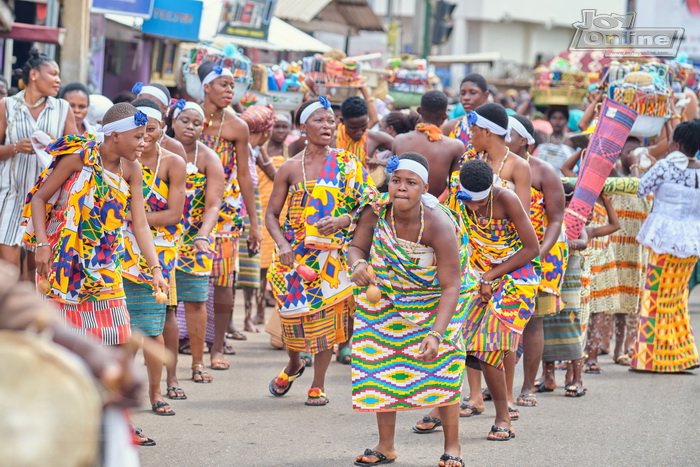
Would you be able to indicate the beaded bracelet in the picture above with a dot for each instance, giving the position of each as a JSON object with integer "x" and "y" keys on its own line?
{"x": 156, "y": 266}
{"x": 351, "y": 270}
{"x": 39, "y": 245}
{"x": 436, "y": 335}
{"x": 201, "y": 237}
{"x": 482, "y": 281}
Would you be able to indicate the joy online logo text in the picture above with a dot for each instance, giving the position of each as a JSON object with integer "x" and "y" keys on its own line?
{"x": 618, "y": 36}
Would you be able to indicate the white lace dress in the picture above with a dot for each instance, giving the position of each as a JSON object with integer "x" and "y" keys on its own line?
{"x": 673, "y": 227}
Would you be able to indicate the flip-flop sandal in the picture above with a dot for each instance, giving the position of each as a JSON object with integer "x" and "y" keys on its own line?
{"x": 307, "y": 358}
{"x": 185, "y": 349}
{"x": 592, "y": 368}
{"x": 474, "y": 411}
{"x": 577, "y": 391}
{"x": 486, "y": 395}
{"x": 200, "y": 373}
{"x": 446, "y": 457}
{"x": 539, "y": 385}
{"x": 498, "y": 429}
{"x": 219, "y": 364}
{"x": 175, "y": 390}
{"x": 523, "y": 397}
{"x": 344, "y": 356}
{"x": 162, "y": 405}
{"x": 228, "y": 350}
{"x": 284, "y": 380}
{"x": 138, "y": 433}
{"x": 514, "y": 414}
{"x": 623, "y": 360}
{"x": 436, "y": 421}
{"x": 317, "y": 394}
{"x": 236, "y": 336}
{"x": 381, "y": 458}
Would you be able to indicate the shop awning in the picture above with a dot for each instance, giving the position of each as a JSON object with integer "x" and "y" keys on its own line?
{"x": 282, "y": 37}
{"x": 33, "y": 33}
{"x": 346, "y": 17}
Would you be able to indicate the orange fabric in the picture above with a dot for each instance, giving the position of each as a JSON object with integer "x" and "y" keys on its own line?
{"x": 343, "y": 141}
{"x": 265, "y": 187}
{"x": 431, "y": 131}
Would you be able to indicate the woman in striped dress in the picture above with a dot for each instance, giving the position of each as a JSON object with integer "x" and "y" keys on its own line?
{"x": 164, "y": 196}
{"x": 21, "y": 117}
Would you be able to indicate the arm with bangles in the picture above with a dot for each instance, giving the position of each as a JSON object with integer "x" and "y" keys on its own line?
{"x": 213, "y": 197}
{"x": 265, "y": 163}
{"x": 8, "y": 150}
{"x": 360, "y": 246}
{"x": 530, "y": 246}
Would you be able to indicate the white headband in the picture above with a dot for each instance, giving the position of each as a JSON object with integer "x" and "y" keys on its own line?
{"x": 474, "y": 118}
{"x": 394, "y": 164}
{"x": 187, "y": 105}
{"x": 217, "y": 72}
{"x": 151, "y": 113}
{"x": 520, "y": 129}
{"x": 283, "y": 117}
{"x": 139, "y": 89}
{"x": 465, "y": 195}
{"x": 125, "y": 124}
{"x": 322, "y": 103}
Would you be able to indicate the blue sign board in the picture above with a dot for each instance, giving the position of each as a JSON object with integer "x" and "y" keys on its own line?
{"x": 178, "y": 19}
{"x": 140, "y": 8}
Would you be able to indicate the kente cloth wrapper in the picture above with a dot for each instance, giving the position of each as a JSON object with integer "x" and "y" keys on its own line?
{"x": 145, "y": 314}
{"x": 319, "y": 331}
{"x": 294, "y": 295}
{"x": 340, "y": 188}
{"x": 165, "y": 238}
{"x": 491, "y": 329}
{"x": 665, "y": 342}
{"x": 344, "y": 141}
{"x": 189, "y": 259}
{"x": 461, "y": 132}
{"x": 249, "y": 266}
{"x": 386, "y": 373}
{"x": 107, "y": 320}
{"x": 603, "y": 297}
{"x": 432, "y": 132}
{"x": 225, "y": 262}
{"x": 563, "y": 337}
{"x": 612, "y": 130}
{"x": 630, "y": 256}
{"x": 84, "y": 221}
{"x": 550, "y": 268}
{"x": 265, "y": 186}
{"x": 230, "y": 223}
{"x": 628, "y": 186}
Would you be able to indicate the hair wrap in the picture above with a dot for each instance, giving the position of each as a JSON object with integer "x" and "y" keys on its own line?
{"x": 323, "y": 103}
{"x": 125, "y": 124}
{"x": 186, "y": 105}
{"x": 259, "y": 118}
{"x": 217, "y": 72}
{"x": 465, "y": 195}
{"x": 520, "y": 129}
{"x": 394, "y": 164}
{"x": 473, "y": 118}
{"x": 151, "y": 113}
{"x": 139, "y": 88}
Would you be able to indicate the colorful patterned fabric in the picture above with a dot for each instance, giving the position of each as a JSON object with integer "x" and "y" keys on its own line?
{"x": 265, "y": 187}
{"x": 191, "y": 287}
{"x": 145, "y": 314}
{"x": 319, "y": 331}
{"x": 233, "y": 209}
{"x": 461, "y": 131}
{"x": 189, "y": 259}
{"x": 604, "y": 297}
{"x": 165, "y": 238}
{"x": 106, "y": 320}
{"x": 630, "y": 256}
{"x": 386, "y": 373}
{"x": 249, "y": 266}
{"x": 344, "y": 141}
{"x": 84, "y": 222}
{"x": 223, "y": 268}
{"x": 492, "y": 328}
{"x": 611, "y": 132}
{"x": 628, "y": 186}
{"x": 537, "y": 213}
{"x": 563, "y": 337}
{"x": 432, "y": 132}
{"x": 329, "y": 196}
{"x": 665, "y": 341}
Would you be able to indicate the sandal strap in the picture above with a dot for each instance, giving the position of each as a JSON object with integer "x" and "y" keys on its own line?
{"x": 428, "y": 419}
{"x": 468, "y": 406}
{"x": 316, "y": 393}
{"x": 377, "y": 454}
{"x": 500, "y": 429}
{"x": 447, "y": 457}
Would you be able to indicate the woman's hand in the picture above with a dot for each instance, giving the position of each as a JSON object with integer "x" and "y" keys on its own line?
{"x": 428, "y": 349}
{"x": 361, "y": 276}
{"x": 159, "y": 282}
{"x": 485, "y": 292}
{"x": 254, "y": 237}
{"x": 329, "y": 225}
{"x": 43, "y": 259}
{"x": 24, "y": 146}
{"x": 285, "y": 254}
{"x": 203, "y": 246}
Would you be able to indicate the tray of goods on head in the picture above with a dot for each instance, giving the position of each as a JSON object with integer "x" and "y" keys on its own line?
{"x": 560, "y": 83}
{"x": 227, "y": 56}
{"x": 334, "y": 77}
{"x": 408, "y": 81}
{"x": 644, "y": 87}
{"x": 277, "y": 85}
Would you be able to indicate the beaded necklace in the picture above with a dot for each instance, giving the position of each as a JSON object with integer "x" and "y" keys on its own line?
{"x": 422, "y": 223}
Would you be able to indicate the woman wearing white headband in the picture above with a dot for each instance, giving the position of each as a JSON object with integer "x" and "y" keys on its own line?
{"x": 204, "y": 190}
{"x": 164, "y": 197}
{"x": 502, "y": 244}
{"x": 227, "y": 134}
{"x": 322, "y": 188}
{"x": 547, "y": 216}
{"x": 412, "y": 243}
{"x": 161, "y": 96}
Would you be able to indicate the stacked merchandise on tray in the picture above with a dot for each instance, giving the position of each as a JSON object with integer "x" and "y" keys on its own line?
{"x": 332, "y": 76}
{"x": 409, "y": 79}
{"x": 279, "y": 85}
{"x": 560, "y": 83}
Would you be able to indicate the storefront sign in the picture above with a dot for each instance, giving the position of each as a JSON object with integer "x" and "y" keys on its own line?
{"x": 140, "y": 8}
{"x": 178, "y": 19}
{"x": 247, "y": 18}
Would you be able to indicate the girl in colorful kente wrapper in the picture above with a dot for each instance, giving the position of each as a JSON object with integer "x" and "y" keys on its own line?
{"x": 502, "y": 245}
{"x": 665, "y": 341}
{"x": 164, "y": 196}
{"x": 322, "y": 188}
{"x": 413, "y": 245}
{"x": 204, "y": 189}
{"x": 227, "y": 134}
{"x": 74, "y": 218}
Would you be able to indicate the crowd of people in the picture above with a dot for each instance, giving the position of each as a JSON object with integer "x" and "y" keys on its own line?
{"x": 409, "y": 245}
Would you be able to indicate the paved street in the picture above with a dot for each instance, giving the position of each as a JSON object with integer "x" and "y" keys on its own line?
{"x": 626, "y": 419}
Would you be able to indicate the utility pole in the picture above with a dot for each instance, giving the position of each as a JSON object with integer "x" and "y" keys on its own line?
{"x": 76, "y": 46}
{"x": 427, "y": 21}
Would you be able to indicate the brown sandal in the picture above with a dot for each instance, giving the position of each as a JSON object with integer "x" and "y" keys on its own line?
{"x": 198, "y": 369}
